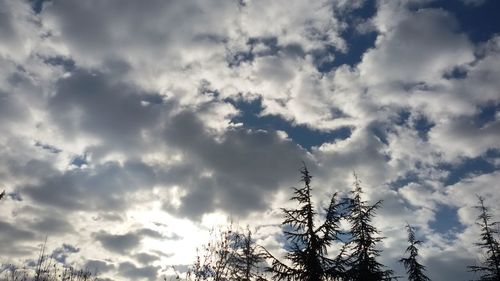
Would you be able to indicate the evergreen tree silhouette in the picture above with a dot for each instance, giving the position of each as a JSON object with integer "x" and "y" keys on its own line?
{"x": 414, "y": 269}
{"x": 362, "y": 262}
{"x": 308, "y": 244}
{"x": 490, "y": 266}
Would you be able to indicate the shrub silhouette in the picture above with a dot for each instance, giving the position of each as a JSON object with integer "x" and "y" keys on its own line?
{"x": 230, "y": 255}
{"x": 46, "y": 269}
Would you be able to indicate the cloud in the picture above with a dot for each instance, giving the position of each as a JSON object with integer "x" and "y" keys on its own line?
{"x": 98, "y": 266}
{"x": 444, "y": 267}
{"x": 127, "y": 242}
{"x": 95, "y": 107}
{"x": 12, "y": 231}
{"x": 145, "y": 258}
{"x": 51, "y": 225}
{"x": 463, "y": 138}
{"x": 18, "y": 25}
{"x": 61, "y": 254}
{"x": 12, "y": 237}
{"x": 236, "y": 179}
{"x": 117, "y": 115}
{"x": 407, "y": 52}
{"x": 132, "y": 271}
{"x": 119, "y": 243}
{"x": 90, "y": 189}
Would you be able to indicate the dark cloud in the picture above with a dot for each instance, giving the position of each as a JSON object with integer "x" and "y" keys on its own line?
{"x": 51, "y": 225}
{"x": 98, "y": 266}
{"x": 245, "y": 165}
{"x": 95, "y": 104}
{"x": 101, "y": 188}
{"x": 61, "y": 254}
{"x": 447, "y": 264}
{"x": 125, "y": 243}
{"x": 12, "y": 237}
{"x": 132, "y": 271}
{"x": 11, "y": 109}
{"x": 145, "y": 258}
{"x": 150, "y": 233}
{"x": 6, "y": 29}
{"x": 10, "y": 231}
{"x": 119, "y": 243}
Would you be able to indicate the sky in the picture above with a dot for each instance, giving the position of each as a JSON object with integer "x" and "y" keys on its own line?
{"x": 128, "y": 129}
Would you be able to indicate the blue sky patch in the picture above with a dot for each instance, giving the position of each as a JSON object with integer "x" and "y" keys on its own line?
{"x": 300, "y": 134}
{"x": 446, "y": 221}
{"x": 423, "y": 126}
{"x": 480, "y": 23}
{"x": 357, "y": 43}
{"x": 67, "y": 63}
{"x": 469, "y": 167}
{"x": 456, "y": 73}
{"x": 37, "y": 5}
{"x": 405, "y": 180}
{"x": 486, "y": 114}
{"x": 79, "y": 160}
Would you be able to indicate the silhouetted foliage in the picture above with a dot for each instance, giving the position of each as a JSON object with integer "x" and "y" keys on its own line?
{"x": 308, "y": 255}
{"x": 490, "y": 266}
{"x": 246, "y": 258}
{"x": 212, "y": 263}
{"x": 230, "y": 255}
{"x": 362, "y": 262}
{"x": 414, "y": 269}
{"x": 46, "y": 269}
{"x": 233, "y": 254}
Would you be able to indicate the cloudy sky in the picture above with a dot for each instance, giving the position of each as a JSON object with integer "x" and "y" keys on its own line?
{"x": 129, "y": 128}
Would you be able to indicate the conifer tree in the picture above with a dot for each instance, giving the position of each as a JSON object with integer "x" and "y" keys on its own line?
{"x": 414, "y": 269}
{"x": 308, "y": 244}
{"x": 362, "y": 262}
{"x": 490, "y": 266}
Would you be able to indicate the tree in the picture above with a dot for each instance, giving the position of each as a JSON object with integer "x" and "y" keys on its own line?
{"x": 490, "y": 266}
{"x": 414, "y": 269}
{"x": 362, "y": 262}
{"x": 230, "y": 255}
{"x": 246, "y": 258}
{"x": 308, "y": 244}
{"x": 213, "y": 262}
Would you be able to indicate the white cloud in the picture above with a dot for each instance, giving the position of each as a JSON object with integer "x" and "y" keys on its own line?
{"x": 421, "y": 46}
